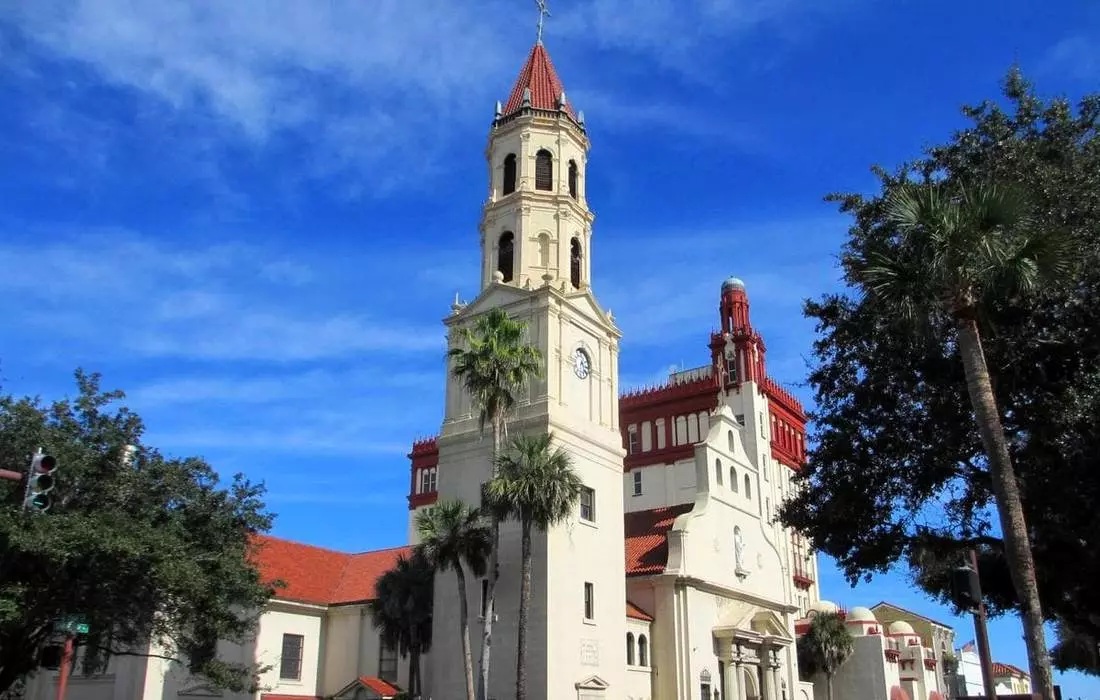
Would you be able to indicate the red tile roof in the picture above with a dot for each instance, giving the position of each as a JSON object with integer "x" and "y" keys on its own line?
{"x": 637, "y": 613}
{"x": 1001, "y": 670}
{"x": 539, "y": 75}
{"x": 379, "y": 686}
{"x": 647, "y": 538}
{"x": 322, "y": 576}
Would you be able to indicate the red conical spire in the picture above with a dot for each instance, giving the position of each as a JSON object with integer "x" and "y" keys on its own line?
{"x": 539, "y": 81}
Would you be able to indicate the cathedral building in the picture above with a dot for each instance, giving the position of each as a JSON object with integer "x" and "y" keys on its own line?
{"x": 672, "y": 581}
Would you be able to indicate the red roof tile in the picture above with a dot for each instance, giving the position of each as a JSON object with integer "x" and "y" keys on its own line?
{"x": 379, "y": 686}
{"x": 637, "y": 613}
{"x": 647, "y": 538}
{"x": 1001, "y": 670}
{"x": 322, "y": 576}
{"x": 539, "y": 75}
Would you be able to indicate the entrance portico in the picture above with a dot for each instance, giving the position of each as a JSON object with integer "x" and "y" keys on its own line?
{"x": 752, "y": 651}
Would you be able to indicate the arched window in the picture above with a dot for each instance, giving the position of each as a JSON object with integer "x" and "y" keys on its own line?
{"x": 573, "y": 179}
{"x": 575, "y": 263}
{"x": 718, "y": 470}
{"x": 733, "y": 479}
{"x": 509, "y": 173}
{"x": 544, "y": 170}
{"x": 505, "y": 255}
{"x": 643, "y": 651}
{"x": 748, "y": 487}
{"x": 544, "y": 250}
{"x": 729, "y": 437}
{"x": 629, "y": 648}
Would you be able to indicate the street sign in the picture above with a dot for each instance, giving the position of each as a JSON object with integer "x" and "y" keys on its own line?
{"x": 71, "y": 625}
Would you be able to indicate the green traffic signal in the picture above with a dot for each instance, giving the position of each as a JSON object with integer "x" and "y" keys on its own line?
{"x": 41, "y": 482}
{"x": 40, "y": 502}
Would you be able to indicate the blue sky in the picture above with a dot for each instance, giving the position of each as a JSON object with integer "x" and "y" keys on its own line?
{"x": 252, "y": 216}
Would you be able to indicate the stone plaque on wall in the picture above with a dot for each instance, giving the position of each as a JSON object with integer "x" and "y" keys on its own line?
{"x": 590, "y": 652}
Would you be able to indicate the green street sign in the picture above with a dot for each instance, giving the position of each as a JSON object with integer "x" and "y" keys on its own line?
{"x": 72, "y": 625}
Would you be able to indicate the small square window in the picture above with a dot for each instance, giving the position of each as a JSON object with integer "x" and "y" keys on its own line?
{"x": 588, "y": 504}
{"x": 589, "y": 602}
{"x": 638, "y": 482}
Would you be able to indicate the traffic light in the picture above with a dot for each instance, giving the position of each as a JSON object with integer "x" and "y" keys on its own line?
{"x": 965, "y": 589}
{"x": 41, "y": 481}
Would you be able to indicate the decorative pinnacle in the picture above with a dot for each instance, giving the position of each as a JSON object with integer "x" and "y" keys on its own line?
{"x": 562, "y": 101}
{"x": 543, "y": 14}
{"x": 526, "y": 97}
{"x": 499, "y": 109}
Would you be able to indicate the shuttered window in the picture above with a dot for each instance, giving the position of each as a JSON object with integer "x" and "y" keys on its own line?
{"x": 544, "y": 171}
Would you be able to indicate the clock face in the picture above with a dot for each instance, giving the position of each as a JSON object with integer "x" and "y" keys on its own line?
{"x": 581, "y": 364}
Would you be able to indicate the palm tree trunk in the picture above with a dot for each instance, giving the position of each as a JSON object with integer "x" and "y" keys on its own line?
{"x": 494, "y": 574}
{"x": 524, "y": 601}
{"x": 414, "y": 672}
{"x": 829, "y": 686}
{"x": 464, "y": 617}
{"x": 1021, "y": 566}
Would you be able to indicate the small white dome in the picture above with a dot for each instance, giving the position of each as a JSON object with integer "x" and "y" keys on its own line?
{"x": 733, "y": 283}
{"x": 824, "y": 606}
{"x": 900, "y": 627}
{"x": 861, "y": 614}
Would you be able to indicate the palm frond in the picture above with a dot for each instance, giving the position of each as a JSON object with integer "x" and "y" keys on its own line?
{"x": 535, "y": 482}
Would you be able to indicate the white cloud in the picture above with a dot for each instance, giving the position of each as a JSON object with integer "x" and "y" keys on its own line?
{"x": 1076, "y": 56}
{"x": 121, "y": 295}
{"x": 349, "y": 85}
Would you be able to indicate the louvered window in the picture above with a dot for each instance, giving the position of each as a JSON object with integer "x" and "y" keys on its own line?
{"x": 544, "y": 171}
{"x": 573, "y": 179}
{"x": 575, "y": 263}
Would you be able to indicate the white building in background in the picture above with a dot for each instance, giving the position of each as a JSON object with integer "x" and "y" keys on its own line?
{"x": 673, "y": 580}
{"x": 889, "y": 659}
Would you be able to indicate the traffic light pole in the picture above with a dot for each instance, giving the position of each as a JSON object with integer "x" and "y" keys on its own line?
{"x": 9, "y": 474}
{"x": 982, "y": 634}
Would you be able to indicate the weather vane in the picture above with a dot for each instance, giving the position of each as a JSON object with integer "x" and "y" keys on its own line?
{"x": 543, "y": 13}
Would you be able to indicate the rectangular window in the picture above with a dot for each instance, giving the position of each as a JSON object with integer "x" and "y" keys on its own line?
{"x": 588, "y": 504}
{"x": 647, "y": 436}
{"x": 432, "y": 481}
{"x": 387, "y": 663}
{"x": 290, "y": 663}
{"x": 638, "y": 483}
{"x": 589, "y": 602}
{"x": 484, "y": 597}
{"x": 632, "y": 443}
{"x": 660, "y": 425}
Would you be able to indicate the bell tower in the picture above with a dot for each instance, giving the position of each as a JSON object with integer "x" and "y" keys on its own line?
{"x": 536, "y": 227}
{"x": 536, "y": 234}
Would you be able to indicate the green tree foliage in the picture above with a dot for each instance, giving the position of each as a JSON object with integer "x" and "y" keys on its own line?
{"x": 453, "y": 536}
{"x": 401, "y": 611}
{"x": 536, "y": 484}
{"x": 494, "y": 362}
{"x": 824, "y": 647}
{"x": 145, "y": 547}
{"x": 897, "y": 472}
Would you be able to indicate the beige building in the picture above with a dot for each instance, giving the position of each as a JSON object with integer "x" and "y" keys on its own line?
{"x": 672, "y": 581}
{"x": 890, "y": 659}
{"x": 937, "y": 636}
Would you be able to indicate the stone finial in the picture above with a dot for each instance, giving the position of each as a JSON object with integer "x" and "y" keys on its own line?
{"x": 562, "y": 101}
{"x": 580, "y": 117}
{"x": 457, "y": 305}
{"x": 499, "y": 109}
{"x": 526, "y": 97}
{"x": 547, "y": 278}
{"x": 498, "y": 276}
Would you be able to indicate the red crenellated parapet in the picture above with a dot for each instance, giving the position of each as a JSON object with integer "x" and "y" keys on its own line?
{"x": 424, "y": 456}
{"x": 666, "y": 393}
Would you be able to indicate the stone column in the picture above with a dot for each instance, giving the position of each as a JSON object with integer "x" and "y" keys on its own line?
{"x": 776, "y": 679}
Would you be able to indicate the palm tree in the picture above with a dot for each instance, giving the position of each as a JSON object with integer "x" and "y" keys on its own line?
{"x": 453, "y": 535}
{"x": 824, "y": 647}
{"x": 494, "y": 363}
{"x": 402, "y": 611}
{"x": 535, "y": 484}
{"x": 954, "y": 253}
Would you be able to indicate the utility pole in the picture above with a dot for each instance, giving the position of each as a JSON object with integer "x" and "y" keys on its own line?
{"x": 982, "y": 632}
{"x": 66, "y": 666}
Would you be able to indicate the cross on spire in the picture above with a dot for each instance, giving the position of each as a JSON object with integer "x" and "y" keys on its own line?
{"x": 543, "y": 13}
